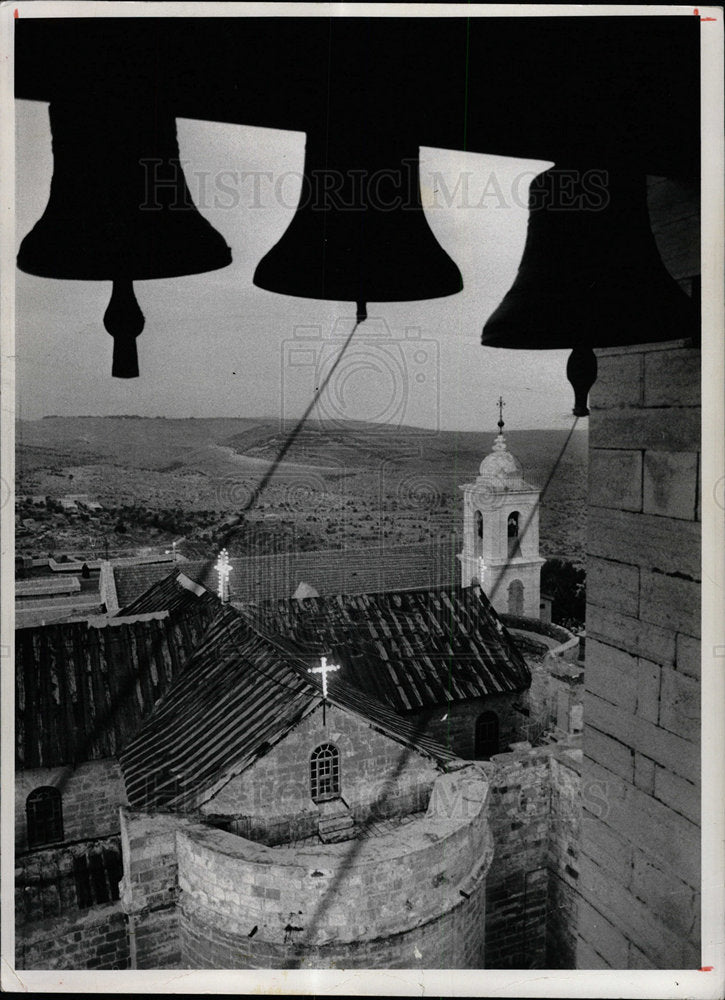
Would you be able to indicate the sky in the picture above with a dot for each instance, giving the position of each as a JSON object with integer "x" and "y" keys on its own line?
{"x": 215, "y": 345}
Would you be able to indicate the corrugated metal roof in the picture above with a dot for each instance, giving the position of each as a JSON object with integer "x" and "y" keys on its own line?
{"x": 81, "y": 693}
{"x": 175, "y": 593}
{"x": 240, "y": 693}
{"x": 412, "y": 649}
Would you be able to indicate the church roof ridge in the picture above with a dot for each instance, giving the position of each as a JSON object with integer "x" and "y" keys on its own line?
{"x": 240, "y": 693}
{"x": 412, "y": 649}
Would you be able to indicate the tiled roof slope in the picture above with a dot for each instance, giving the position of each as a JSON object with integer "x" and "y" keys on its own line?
{"x": 412, "y": 649}
{"x": 176, "y": 593}
{"x": 241, "y": 692}
{"x": 81, "y": 692}
{"x": 329, "y": 571}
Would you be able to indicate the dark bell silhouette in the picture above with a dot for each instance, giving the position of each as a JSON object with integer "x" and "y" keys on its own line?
{"x": 119, "y": 210}
{"x": 590, "y": 274}
{"x": 359, "y": 233}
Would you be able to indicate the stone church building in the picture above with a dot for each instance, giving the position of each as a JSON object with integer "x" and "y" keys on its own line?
{"x": 194, "y": 790}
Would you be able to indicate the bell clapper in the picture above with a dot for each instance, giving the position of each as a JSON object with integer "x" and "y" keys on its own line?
{"x": 362, "y": 312}
{"x": 124, "y": 320}
{"x": 581, "y": 370}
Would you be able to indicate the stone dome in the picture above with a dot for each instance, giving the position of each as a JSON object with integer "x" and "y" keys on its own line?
{"x": 501, "y": 467}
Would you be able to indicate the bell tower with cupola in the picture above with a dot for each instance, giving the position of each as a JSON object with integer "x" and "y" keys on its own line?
{"x": 501, "y": 532}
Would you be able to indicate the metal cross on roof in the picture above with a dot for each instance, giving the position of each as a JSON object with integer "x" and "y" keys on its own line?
{"x": 223, "y": 568}
{"x": 501, "y": 405}
{"x": 325, "y": 668}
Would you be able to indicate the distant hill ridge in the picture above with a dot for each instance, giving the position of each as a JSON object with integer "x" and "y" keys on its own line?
{"x": 410, "y": 476}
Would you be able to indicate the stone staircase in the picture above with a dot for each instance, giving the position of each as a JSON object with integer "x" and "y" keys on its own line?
{"x": 336, "y": 822}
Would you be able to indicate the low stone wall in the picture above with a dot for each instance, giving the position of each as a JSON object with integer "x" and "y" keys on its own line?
{"x": 411, "y": 899}
{"x": 548, "y": 629}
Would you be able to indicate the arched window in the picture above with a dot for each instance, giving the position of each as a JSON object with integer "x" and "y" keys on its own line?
{"x": 512, "y": 526}
{"x": 479, "y": 533}
{"x": 486, "y": 735}
{"x": 325, "y": 773}
{"x": 516, "y": 597}
{"x": 44, "y": 812}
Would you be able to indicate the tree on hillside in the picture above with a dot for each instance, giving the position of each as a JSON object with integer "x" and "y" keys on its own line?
{"x": 565, "y": 583}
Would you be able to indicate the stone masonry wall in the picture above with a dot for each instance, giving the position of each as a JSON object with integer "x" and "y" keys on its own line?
{"x": 88, "y": 939}
{"x": 556, "y": 693}
{"x": 91, "y": 794}
{"x": 454, "y": 725}
{"x": 452, "y": 941}
{"x": 412, "y": 898}
{"x": 562, "y": 909}
{"x": 379, "y": 777}
{"x": 517, "y": 882}
{"x": 150, "y": 887}
{"x": 640, "y": 857}
{"x": 534, "y": 813}
{"x": 67, "y": 914}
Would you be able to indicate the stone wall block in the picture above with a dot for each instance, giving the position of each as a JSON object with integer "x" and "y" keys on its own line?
{"x": 619, "y": 381}
{"x": 671, "y": 602}
{"x": 670, "y": 484}
{"x": 688, "y": 655}
{"x": 672, "y": 378}
{"x": 680, "y": 704}
{"x": 681, "y": 795}
{"x": 666, "y": 544}
{"x": 620, "y": 581}
{"x": 663, "y": 429}
{"x": 670, "y": 839}
{"x": 615, "y": 479}
{"x": 630, "y": 634}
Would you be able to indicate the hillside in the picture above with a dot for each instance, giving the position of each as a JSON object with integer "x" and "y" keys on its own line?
{"x": 341, "y": 484}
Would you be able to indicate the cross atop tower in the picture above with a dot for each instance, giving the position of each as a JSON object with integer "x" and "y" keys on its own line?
{"x": 223, "y": 568}
{"x": 501, "y": 405}
{"x": 325, "y": 668}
